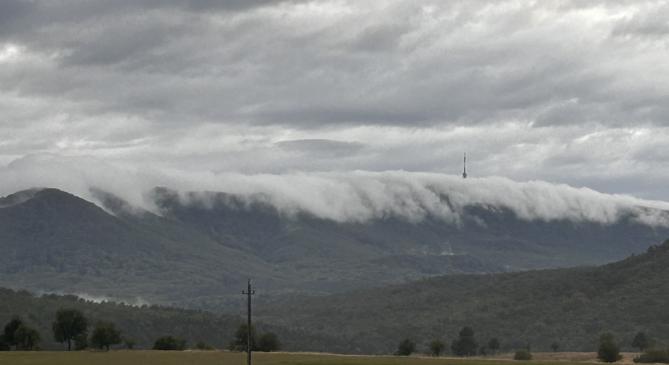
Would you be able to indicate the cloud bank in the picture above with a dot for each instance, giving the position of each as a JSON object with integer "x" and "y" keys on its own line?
{"x": 356, "y": 196}
{"x": 574, "y": 92}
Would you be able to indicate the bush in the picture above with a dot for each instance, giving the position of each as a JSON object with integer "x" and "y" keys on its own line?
{"x": 240, "y": 341}
{"x": 268, "y": 342}
{"x": 406, "y": 348}
{"x": 641, "y": 341}
{"x": 522, "y": 355}
{"x": 653, "y": 356}
{"x": 437, "y": 347}
{"x": 169, "y": 343}
{"x": 465, "y": 345}
{"x": 608, "y": 351}
{"x": 201, "y": 345}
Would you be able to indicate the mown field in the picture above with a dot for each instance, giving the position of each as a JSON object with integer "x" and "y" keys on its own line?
{"x": 220, "y": 357}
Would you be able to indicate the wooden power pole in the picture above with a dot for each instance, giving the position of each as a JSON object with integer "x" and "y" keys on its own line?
{"x": 248, "y": 292}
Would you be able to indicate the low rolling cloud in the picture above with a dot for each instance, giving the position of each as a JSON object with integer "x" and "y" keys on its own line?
{"x": 350, "y": 196}
{"x": 354, "y": 99}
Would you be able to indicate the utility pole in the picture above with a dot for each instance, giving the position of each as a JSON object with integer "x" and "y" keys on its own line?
{"x": 249, "y": 291}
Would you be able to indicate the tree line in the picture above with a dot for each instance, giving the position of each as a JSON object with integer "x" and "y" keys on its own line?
{"x": 71, "y": 328}
{"x": 466, "y": 344}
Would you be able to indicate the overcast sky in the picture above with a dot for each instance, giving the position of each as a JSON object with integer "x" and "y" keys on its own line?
{"x": 572, "y": 92}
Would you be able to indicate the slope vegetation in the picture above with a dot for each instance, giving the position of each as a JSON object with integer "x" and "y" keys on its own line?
{"x": 568, "y": 306}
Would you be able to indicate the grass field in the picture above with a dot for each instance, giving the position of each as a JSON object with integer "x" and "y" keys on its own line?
{"x": 219, "y": 357}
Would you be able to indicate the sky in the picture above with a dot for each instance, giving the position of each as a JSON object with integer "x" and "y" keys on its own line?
{"x": 568, "y": 92}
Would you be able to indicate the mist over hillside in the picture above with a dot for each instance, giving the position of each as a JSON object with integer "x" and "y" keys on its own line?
{"x": 194, "y": 248}
{"x": 351, "y": 196}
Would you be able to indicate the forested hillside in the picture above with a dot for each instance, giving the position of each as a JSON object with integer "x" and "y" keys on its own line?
{"x": 197, "y": 248}
{"x": 568, "y": 306}
{"x": 144, "y": 324}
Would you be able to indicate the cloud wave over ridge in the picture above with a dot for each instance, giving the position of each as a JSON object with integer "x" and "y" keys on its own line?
{"x": 353, "y": 196}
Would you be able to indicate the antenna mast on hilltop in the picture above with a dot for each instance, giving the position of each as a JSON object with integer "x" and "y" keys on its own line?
{"x": 464, "y": 167}
{"x": 248, "y": 292}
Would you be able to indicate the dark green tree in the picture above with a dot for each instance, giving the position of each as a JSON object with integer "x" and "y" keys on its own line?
{"x": 3, "y": 345}
{"x": 268, "y": 342}
{"x": 406, "y": 348}
{"x": 437, "y": 347}
{"x": 241, "y": 338}
{"x": 493, "y": 345}
{"x": 10, "y": 330}
{"x": 608, "y": 351}
{"x": 26, "y": 338}
{"x": 69, "y": 324}
{"x": 555, "y": 346}
{"x": 169, "y": 343}
{"x": 641, "y": 341}
{"x": 466, "y": 344}
{"x": 104, "y": 335}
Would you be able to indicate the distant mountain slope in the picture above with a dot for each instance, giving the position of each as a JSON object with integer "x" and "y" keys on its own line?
{"x": 568, "y": 306}
{"x": 200, "y": 247}
{"x": 54, "y": 241}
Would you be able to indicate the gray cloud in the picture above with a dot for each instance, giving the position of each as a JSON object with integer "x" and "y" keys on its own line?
{"x": 567, "y": 91}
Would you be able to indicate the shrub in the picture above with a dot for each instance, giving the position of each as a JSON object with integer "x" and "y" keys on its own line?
{"x": 169, "y": 343}
{"x": 641, "y": 341}
{"x": 465, "y": 345}
{"x": 437, "y": 347}
{"x": 608, "y": 351}
{"x": 406, "y": 348}
{"x": 653, "y": 356}
{"x": 522, "y": 355}
{"x": 201, "y": 345}
{"x": 268, "y": 342}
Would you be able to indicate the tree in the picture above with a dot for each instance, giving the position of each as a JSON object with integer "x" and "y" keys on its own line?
{"x": 26, "y": 338}
{"x": 104, "y": 335}
{"x": 437, "y": 347}
{"x": 69, "y": 324}
{"x": 494, "y": 345}
{"x": 555, "y": 346}
{"x": 241, "y": 338}
{"x": 641, "y": 341}
{"x": 268, "y": 342}
{"x": 465, "y": 345}
{"x": 169, "y": 343}
{"x": 608, "y": 351}
{"x": 3, "y": 345}
{"x": 10, "y": 330}
{"x": 406, "y": 348}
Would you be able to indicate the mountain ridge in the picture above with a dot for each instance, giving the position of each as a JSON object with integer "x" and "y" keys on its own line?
{"x": 195, "y": 253}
